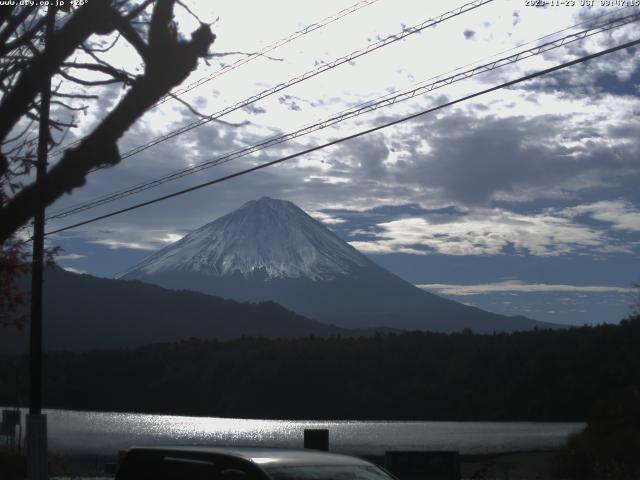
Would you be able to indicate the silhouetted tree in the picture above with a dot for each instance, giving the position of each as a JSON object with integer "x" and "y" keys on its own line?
{"x": 26, "y": 62}
{"x": 538, "y": 375}
{"x": 607, "y": 449}
{"x": 167, "y": 62}
{"x": 13, "y": 264}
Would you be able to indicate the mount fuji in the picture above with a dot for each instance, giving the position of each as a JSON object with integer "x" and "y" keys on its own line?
{"x": 272, "y": 250}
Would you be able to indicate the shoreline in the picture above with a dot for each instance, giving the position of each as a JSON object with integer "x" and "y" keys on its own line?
{"x": 47, "y": 409}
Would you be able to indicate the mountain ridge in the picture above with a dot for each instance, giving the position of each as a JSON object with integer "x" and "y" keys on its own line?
{"x": 272, "y": 250}
{"x": 246, "y": 241}
{"x": 83, "y": 312}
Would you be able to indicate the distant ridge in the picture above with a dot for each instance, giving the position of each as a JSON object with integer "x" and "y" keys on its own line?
{"x": 82, "y": 312}
{"x": 272, "y": 250}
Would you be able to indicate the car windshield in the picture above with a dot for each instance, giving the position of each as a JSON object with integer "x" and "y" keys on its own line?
{"x": 328, "y": 472}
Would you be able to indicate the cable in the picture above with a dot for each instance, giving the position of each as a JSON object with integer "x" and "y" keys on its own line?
{"x": 278, "y": 43}
{"x": 350, "y": 113}
{"x": 366, "y": 108}
{"x": 311, "y": 73}
{"x": 381, "y": 43}
{"x": 310, "y": 127}
{"x": 351, "y": 137}
{"x": 484, "y": 59}
{"x": 308, "y": 29}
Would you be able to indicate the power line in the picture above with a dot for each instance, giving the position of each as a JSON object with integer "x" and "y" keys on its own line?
{"x": 516, "y": 47}
{"x": 366, "y": 108}
{"x": 238, "y": 63}
{"x": 306, "y": 30}
{"x": 381, "y": 43}
{"x": 350, "y": 113}
{"x": 311, "y": 73}
{"x": 351, "y": 137}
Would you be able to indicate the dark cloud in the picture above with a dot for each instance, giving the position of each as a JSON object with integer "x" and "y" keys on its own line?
{"x": 254, "y": 109}
{"x": 469, "y": 34}
{"x": 361, "y": 221}
{"x": 472, "y": 160}
{"x": 516, "y": 18}
{"x": 614, "y": 74}
{"x": 469, "y": 161}
{"x": 200, "y": 102}
{"x": 366, "y": 156}
{"x": 108, "y": 97}
{"x": 290, "y": 102}
{"x": 610, "y": 83}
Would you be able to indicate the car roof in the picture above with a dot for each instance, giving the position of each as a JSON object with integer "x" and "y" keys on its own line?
{"x": 264, "y": 457}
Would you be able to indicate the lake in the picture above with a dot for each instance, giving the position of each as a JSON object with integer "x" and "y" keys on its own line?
{"x": 103, "y": 433}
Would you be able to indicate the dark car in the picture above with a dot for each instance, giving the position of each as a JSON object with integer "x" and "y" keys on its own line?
{"x": 236, "y": 463}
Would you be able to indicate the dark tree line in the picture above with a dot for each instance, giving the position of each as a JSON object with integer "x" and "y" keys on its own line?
{"x": 537, "y": 375}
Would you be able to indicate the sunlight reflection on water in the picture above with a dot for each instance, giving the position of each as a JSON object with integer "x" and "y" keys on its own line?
{"x": 74, "y": 432}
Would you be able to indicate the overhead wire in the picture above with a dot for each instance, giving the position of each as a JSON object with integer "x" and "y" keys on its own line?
{"x": 353, "y": 136}
{"x": 312, "y": 73}
{"x": 431, "y": 22}
{"x": 350, "y": 113}
{"x": 516, "y": 47}
{"x": 304, "y": 31}
{"x": 252, "y": 56}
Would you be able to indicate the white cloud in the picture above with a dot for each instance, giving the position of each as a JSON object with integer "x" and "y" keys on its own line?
{"x": 326, "y": 218}
{"x": 117, "y": 244}
{"x": 75, "y": 270}
{"x": 548, "y": 140}
{"x": 70, "y": 256}
{"x": 620, "y": 214}
{"x": 171, "y": 238}
{"x": 484, "y": 232}
{"x": 389, "y": 68}
{"x": 327, "y": 179}
{"x": 520, "y": 287}
{"x": 147, "y": 240}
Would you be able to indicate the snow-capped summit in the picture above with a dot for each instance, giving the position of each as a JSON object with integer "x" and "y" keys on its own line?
{"x": 269, "y": 237}
{"x": 270, "y": 250}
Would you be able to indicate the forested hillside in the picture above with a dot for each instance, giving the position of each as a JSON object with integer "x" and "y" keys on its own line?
{"x": 82, "y": 312}
{"x": 538, "y": 375}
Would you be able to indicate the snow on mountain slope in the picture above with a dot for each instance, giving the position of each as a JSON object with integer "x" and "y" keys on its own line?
{"x": 270, "y": 250}
{"x": 266, "y": 235}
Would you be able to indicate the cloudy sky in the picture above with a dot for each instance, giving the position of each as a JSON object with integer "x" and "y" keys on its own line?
{"x": 522, "y": 201}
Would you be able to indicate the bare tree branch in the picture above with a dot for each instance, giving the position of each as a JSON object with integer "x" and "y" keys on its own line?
{"x": 202, "y": 115}
{"x": 168, "y": 64}
{"x": 16, "y": 137}
{"x": 6, "y": 11}
{"x": 75, "y": 95}
{"x": 117, "y": 74}
{"x": 101, "y": 50}
{"x": 69, "y": 107}
{"x": 129, "y": 33}
{"x": 138, "y": 10}
{"x": 188, "y": 105}
{"x": 93, "y": 17}
{"x": 88, "y": 83}
{"x": 27, "y": 37}
{"x": 13, "y": 22}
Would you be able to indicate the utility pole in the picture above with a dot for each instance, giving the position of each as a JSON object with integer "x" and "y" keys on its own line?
{"x": 37, "y": 461}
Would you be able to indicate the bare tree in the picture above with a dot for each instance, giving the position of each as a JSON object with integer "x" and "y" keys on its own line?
{"x": 167, "y": 63}
{"x": 26, "y": 62}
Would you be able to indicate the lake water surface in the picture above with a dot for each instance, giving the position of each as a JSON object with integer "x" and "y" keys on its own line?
{"x": 103, "y": 433}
